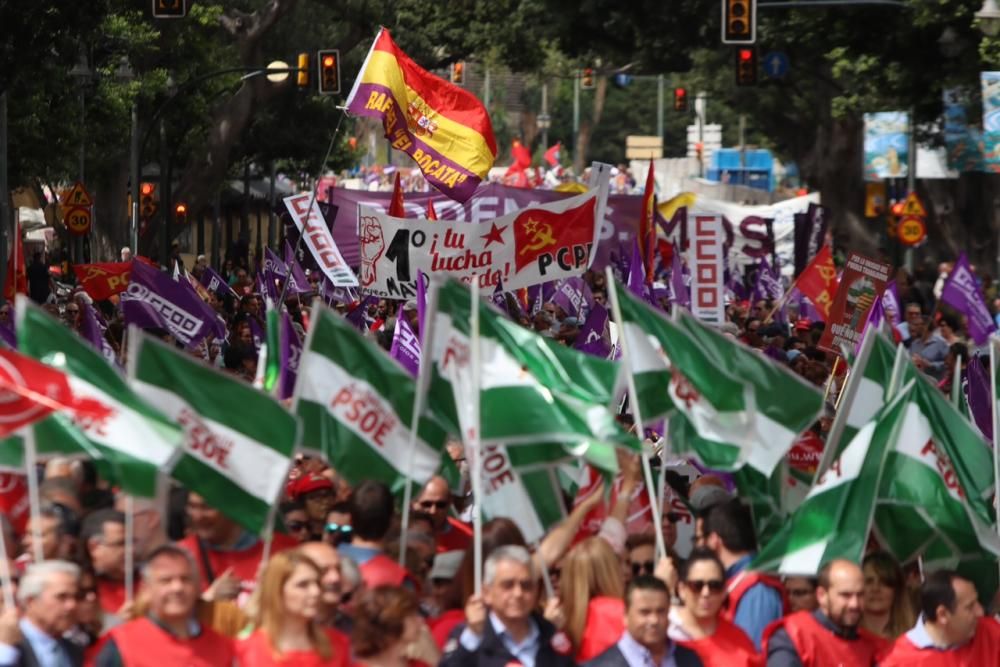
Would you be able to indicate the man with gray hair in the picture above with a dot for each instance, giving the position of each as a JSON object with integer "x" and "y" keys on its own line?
{"x": 47, "y": 595}
{"x": 501, "y": 625}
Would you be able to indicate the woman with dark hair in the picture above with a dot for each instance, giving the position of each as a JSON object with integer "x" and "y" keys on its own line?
{"x": 886, "y": 607}
{"x": 287, "y": 626}
{"x": 697, "y": 623}
{"x": 387, "y": 627}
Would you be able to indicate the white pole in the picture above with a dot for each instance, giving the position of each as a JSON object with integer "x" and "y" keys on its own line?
{"x": 474, "y": 442}
{"x": 633, "y": 399}
{"x": 423, "y": 379}
{"x": 5, "y": 580}
{"x": 31, "y": 467}
{"x": 129, "y": 548}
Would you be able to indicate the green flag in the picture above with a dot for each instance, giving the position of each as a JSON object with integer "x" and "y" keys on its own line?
{"x": 239, "y": 441}
{"x": 356, "y": 404}
{"x": 133, "y": 443}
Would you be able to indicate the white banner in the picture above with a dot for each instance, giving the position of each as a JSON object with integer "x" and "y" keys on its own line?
{"x": 312, "y": 226}
{"x": 706, "y": 237}
{"x": 534, "y": 245}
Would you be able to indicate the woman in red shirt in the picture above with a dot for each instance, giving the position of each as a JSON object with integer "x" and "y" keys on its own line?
{"x": 287, "y": 630}
{"x": 697, "y": 624}
{"x": 389, "y": 630}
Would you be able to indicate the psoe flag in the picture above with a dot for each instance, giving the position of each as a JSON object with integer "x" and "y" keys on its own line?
{"x": 444, "y": 128}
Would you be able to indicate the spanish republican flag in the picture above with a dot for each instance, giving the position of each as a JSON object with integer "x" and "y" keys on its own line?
{"x": 444, "y": 128}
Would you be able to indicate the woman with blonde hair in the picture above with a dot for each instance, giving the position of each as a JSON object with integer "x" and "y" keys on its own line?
{"x": 886, "y": 607}
{"x": 287, "y": 630}
{"x": 591, "y": 593}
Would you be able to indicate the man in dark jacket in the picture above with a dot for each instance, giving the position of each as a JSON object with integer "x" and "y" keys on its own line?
{"x": 501, "y": 628}
{"x": 48, "y": 597}
{"x": 645, "y": 642}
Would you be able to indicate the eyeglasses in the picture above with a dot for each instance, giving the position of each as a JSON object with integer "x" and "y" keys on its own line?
{"x": 434, "y": 504}
{"x": 698, "y": 585}
{"x": 337, "y": 528}
{"x": 296, "y": 526}
{"x": 645, "y": 567}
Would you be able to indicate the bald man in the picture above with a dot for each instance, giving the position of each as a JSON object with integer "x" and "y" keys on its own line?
{"x": 830, "y": 635}
{"x": 435, "y": 501}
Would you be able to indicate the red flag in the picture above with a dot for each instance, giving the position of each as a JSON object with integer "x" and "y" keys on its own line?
{"x": 31, "y": 391}
{"x": 431, "y": 213}
{"x": 552, "y": 154}
{"x": 516, "y": 174}
{"x": 818, "y": 281}
{"x": 647, "y": 223}
{"x": 396, "y": 205}
{"x": 538, "y": 232}
{"x": 17, "y": 277}
{"x": 14, "y": 499}
{"x": 102, "y": 281}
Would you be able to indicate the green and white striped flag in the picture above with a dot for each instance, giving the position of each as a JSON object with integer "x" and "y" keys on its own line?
{"x": 239, "y": 441}
{"x": 834, "y": 519}
{"x": 731, "y": 405}
{"x": 133, "y": 443}
{"x": 356, "y": 405}
{"x": 865, "y": 393}
{"x": 531, "y": 390}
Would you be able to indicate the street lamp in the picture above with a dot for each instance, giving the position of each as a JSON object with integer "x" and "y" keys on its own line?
{"x": 988, "y": 18}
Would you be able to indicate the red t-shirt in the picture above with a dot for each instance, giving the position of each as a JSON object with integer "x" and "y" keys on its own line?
{"x": 255, "y": 651}
{"x": 111, "y": 594}
{"x": 245, "y": 563}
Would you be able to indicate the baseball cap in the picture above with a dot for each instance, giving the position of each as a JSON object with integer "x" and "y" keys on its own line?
{"x": 803, "y": 325}
{"x": 308, "y": 484}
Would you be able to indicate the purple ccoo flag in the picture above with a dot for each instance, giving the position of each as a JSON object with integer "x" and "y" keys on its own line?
{"x": 593, "y": 338}
{"x": 405, "y": 346}
{"x": 291, "y": 352}
{"x": 91, "y": 332}
{"x": 978, "y": 395}
{"x": 154, "y": 300}
{"x": 679, "y": 293}
{"x": 213, "y": 282}
{"x": 962, "y": 292}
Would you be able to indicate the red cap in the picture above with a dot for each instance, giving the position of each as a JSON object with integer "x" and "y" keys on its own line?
{"x": 803, "y": 325}
{"x": 307, "y": 484}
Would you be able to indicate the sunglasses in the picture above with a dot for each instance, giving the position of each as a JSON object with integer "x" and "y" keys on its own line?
{"x": 434, "y": 504}
{"x": 645, "y": 567}
{"x": 337, "y": 528}
{"x": 698, "y": 585}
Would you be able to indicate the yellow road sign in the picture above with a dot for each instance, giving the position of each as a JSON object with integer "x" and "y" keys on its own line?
{"x": 78, "y": 220}
{"x": 77, "y": 196}
{"x": 911, "y": 230}
{"x": 913, "y": 207}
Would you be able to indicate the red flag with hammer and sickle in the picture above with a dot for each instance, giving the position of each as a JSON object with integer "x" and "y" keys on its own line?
{"x": 537, "y": 231}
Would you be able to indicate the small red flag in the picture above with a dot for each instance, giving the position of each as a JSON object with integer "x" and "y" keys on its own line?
{"x": 396, "y": 205}
{"x": 431, "y": 213}
{"x": 818, "y": 281}
{"x": 552, "y": 154}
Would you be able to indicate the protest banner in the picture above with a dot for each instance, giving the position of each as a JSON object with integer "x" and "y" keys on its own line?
{"x": 311, "y": 224}
{"x": 863, "y": 281}
{"x": 535, "y": 245}
{"x": 705, "y": 259}
{"x": 102, "y": 281}
{"x": 962, "y": 292}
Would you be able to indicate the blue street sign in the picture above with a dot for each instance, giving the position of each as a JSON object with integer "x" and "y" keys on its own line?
{"x": 775, "y": 64}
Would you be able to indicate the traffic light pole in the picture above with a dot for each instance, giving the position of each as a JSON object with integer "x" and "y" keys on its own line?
{"x": 134, "y": 176}
{"x": 659, "y": 106}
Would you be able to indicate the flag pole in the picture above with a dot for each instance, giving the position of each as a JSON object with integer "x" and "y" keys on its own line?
{"x": 475, "y": 439}
{"x": 846, "y": 397}
{"x": 833, "y": 378}
{"x": 633, "y": 399}
{"x": 419, "y": 396}
{"x": 129, "y": 547}
{"x": 34, "y": 499}
{"x": 5, "y": 580}
{"x": 995, "y": 410}
{"x": 956, "y": 384}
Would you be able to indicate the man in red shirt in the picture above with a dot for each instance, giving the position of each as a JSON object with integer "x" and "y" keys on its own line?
{"x": 228, "y": 557}
{"x": 435, "y": 501}
{"x": 102, "y": 540}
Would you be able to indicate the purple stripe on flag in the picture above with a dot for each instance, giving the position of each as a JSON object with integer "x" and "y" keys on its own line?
{"x": 978, "y": 394}
{"x": 291, "y": 352}
{"x": 594, "y": 338}
{"x": 679, "y": 292}
{"x": 154, "y": 300}
{"x": 90, "y": 330}
{"x": 7, "y": 335}
{"x": 637, "y": 273}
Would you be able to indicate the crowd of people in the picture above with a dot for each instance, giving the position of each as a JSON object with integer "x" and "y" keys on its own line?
{"x": 335, "y": 585}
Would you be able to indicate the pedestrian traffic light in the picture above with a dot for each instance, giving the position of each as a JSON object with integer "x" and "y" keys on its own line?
{"x": 181, "y": 214}
{"x": 680, "y": 99}
{"x": 587, "y": 78}
{"x": 458, "y": 72}
{"x": 147, "y": 200}
{"x": 169, "y": 9}
{"x": 328, "y": 62}
{"x": 746, "y": 66}
{"x": 739, "y": 21}
{"x": 302, "y": 75}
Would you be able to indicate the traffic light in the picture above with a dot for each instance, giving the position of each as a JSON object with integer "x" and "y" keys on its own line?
{"x": 587, "y": 78}
{"x": 458, "y": 73}
{"x": 169, "y": 9}
{"x": 147, "y": 200}
{"x": 680, "y": 99}
{"x": 739, "y": 21}
{"x": 181, "y": 214}
{"x": 302, "y": 75}
{"x": 746, "y": 66}
{"x": 328, "y": 63}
